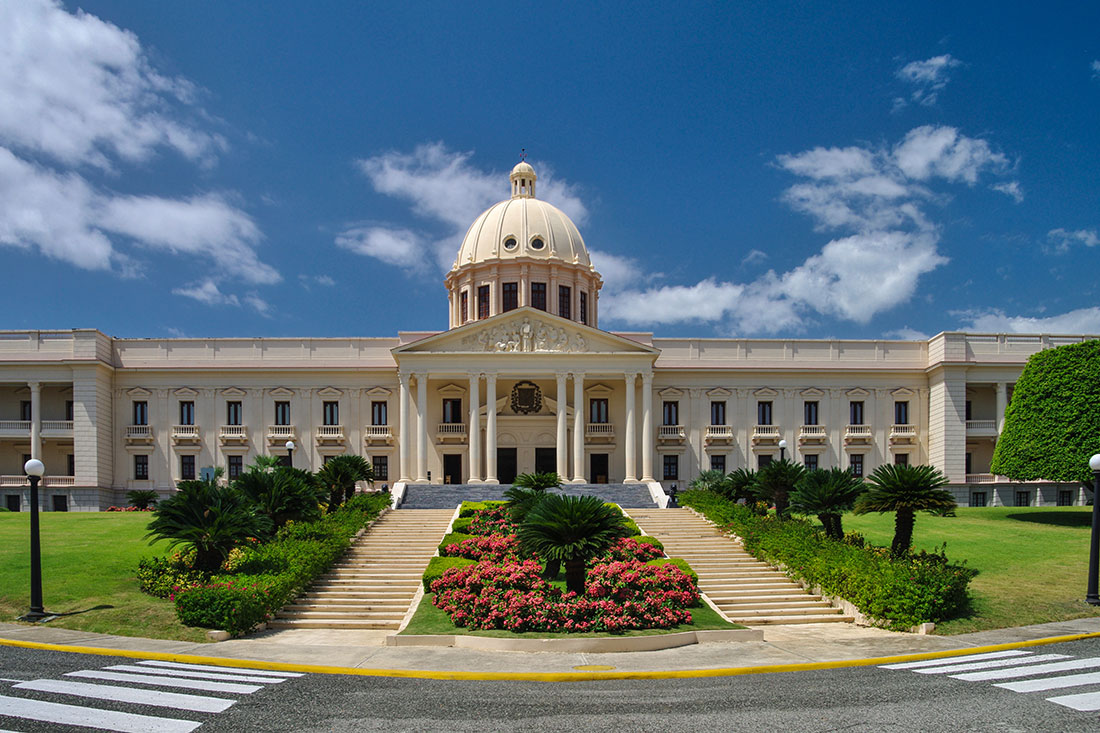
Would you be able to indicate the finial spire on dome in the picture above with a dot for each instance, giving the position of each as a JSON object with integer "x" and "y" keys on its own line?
{"x": 523, "y": 178}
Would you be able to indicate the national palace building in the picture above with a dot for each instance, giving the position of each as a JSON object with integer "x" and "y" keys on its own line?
{"x": 522, "y": 380}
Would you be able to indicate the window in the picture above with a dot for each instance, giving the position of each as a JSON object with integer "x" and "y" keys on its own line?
{"x": 901, "y": 413}
{"x": 969, "y": 462}
{"x": 565, "y": 301}
{"x": 855, "y": 412}
{"x": 584, "y": 308}
{"x": 70, "y": 465}
{"x": 187, "y": 413}
{"x": 717, "y": 413}
{"x": 510, "y": 243}
{"x": 25, "y": 410}
{"x": 378, "y": 413}
{"x": 718, "y": 463}
{"x": 969, "y": 412}
{"x": 538, "y": 296}
{"x": 452, "y": 410}
{"x": 764, "y": 413}
{"x": 141, "y": 413}
{"x": 482, "y": 301}
{"x": 597, "y": 410}
{"x": 1023, "y": 498}
{"x": 855, "y": 465}
{"x": 282, "y": 413}
{"x": 68, "y": 409}
{"x": 1065, "y": 497}
{"x": 809, "y": 409}
{"x": 187, "y": 468}
{"x": 510, "y": 293}
{"x": 12, "y": 502}
{"x": 464, "y": 307}
{"x": 233, "y": 413}
{"x": 236, "y": 466}
{"x": 537, "y": 243}
{"x": 381, "y": 466}
{"x": 331, "y": 413}
{"x": 901, "y": 459}
{"x": 671, "y": 413}
{"x": 978, "y": 498}
{"x": 763, "y": 461}
{"x": 141, "y": 467}
{"x": 810, "y": 461}
{"x": 671, "y": 467}
{"x": 60, "y": 503}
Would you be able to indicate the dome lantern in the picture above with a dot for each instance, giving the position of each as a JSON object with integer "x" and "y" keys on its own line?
{"x": 523, "y": 181}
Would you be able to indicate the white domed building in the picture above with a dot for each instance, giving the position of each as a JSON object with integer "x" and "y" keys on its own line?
{"x": 522, "y": 380}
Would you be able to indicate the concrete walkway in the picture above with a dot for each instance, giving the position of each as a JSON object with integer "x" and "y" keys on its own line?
{"x": 790, "y": 645}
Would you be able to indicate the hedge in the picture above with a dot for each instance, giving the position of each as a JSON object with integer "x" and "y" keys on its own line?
{"x": 462, "y": 524}
{"x": 680, "y": 563}
{"x": 649, "y": 540}
{"x": 264, "y": 578}
{"x": 453, "y": 538}
{"x": 439, "y": 565}
{"x": 898, "y": 593}
{"x": 469, "y": 508}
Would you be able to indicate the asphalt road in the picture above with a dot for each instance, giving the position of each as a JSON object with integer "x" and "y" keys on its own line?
{"x": 854, "y": 699}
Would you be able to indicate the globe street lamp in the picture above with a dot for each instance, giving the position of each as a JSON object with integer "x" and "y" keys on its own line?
{"x": 782, "y": 450}
{"x": 34, "y": 470}
{"x": 290, "y": 453}
{"x": 1092, "y": 597}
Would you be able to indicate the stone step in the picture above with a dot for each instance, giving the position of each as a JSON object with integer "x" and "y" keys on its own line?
{"x": 780, "y": 620}
{"x": 370, "y": 577}
{"x": 347, "y": 604}
{"x": 374, "y": 594}
{"x": 370, "y": 583}
{"x": 387, "y": 615}
{"x": 782, "y": 607}
{"x": 296, "y": 623}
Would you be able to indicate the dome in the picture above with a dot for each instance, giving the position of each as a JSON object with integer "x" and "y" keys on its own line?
{"x": 523, "y": 227}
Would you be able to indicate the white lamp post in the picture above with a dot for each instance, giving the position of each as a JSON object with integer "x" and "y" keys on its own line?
{"x": 34, "y": 470}
{"x": 1092, "y": 597}
{"x": 290, "y": 452}
{"x": 782, "y": 450}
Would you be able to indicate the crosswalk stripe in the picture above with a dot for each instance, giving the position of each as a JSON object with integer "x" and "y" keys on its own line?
{"x": 1005, "y": 674}
{"x": 1087, "y": 702}
{"x": 156, "y": 698}
{"x": 143, "y": 679}
{"x": 1052, "y": 683}
{"x": 52, "y": 712}
{"x": 212, "y": 668}
{"x": 200, "y": 675}
{"x": 956, "y": 660}
{"x": 990, "y": 664}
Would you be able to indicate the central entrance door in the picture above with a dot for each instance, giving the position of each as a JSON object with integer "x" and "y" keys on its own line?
{"x": 546, "y": 460}
{"x": 506, "y": 465}
{"x": 452, "y": 468}
{"x": 598, "y": 464}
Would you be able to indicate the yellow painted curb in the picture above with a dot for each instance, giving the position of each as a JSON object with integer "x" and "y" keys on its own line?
{"x": 540, "y": 676}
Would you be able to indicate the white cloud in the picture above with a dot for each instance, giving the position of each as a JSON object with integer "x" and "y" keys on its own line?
{"x": 754, "y": 256}
{"x": 906, "y": 334}
{"x": 618, "y": 272}
{"x": 1082, "y": 320}
{"x": 398, "y": 247}
{"x": 708, "y": 300}
{"x": 307, "y": 281}
{"x": 1011, "y": 189}
{"x": 82, "y": 90}
{"x": 929, "y": 151}
{"x": 1061, "y": 240}
{"x": 207, "y": 293}
{"x": 929, "y": 77}
{"x": 1096, "y": 69}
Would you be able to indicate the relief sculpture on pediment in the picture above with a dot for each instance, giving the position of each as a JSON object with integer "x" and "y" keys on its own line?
{"x": 526, "y": 336}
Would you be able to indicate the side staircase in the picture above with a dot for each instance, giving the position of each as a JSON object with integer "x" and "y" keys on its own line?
{"x": 747, "y": 591}
{"x": 435, "y": 496}
{"x": 373, "y": 584}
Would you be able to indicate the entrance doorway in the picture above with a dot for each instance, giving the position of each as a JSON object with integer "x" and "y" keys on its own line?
{"x": 598, "y": 464}
{"x": 546, "y": 460}
{"x": 506, "y": 465}
{"x": 12, "y": 502}
{"x": 452, "y": 468}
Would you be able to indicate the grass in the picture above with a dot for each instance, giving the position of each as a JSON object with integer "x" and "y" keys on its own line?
{"x": 1033, "y": 561}
{"x": 89, "y": 561}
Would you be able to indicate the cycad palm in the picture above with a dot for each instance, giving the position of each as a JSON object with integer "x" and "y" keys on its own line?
{"x": 904, "y": 490}
{"x": 828, "y": 494}
{"x": 776, "y": 481}
{"x": 742, "y": 485}
{"x": 339, "y": 476}
{"x": 281, "y": 494}
{"x": 712, "y": 480}
{"x": 571, "y": 530}
{"x": 538, "y": 481}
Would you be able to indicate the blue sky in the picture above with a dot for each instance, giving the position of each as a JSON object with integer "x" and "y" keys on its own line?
{"x": 770, "y": 169}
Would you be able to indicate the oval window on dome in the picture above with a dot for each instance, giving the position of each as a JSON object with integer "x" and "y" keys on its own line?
{"x": 510, "y": 243}
{"x": 537, "y": 243}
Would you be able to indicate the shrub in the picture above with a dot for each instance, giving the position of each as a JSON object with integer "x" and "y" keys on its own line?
{"x": 682, "y": 564}
{"x": 494, "y": 520}
{"x": 158, "y": 576}
{"x": 437, "y": 566}
{"x": 496, "y": 548}
{"x": 462, "y": 525}
{"x": 650, "y": 540}
{"x": 453, "y": 538}
{"x": 632, "y": 549}
{"x": 142, "y": 499}
{"x": 234, "y": 608}
{"x": 469, "y": 508}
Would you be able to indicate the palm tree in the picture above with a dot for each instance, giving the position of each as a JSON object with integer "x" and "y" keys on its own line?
{"x": 538, "y": 481}
{"x": 828, "y": 494}
{"x": 281, "y": 494}
{"x": 211, "y": 519}
{"x": 904, "y": 490}
{"x": 339, "y": 476}
{"x": 742, "y": 485}
{"x": 775, "y": 482}
{"x": 712, "y": 480}
{"x": 571, "y": 530}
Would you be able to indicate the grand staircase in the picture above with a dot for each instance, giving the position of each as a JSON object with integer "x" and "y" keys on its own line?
{"x": 747, "y": 591}
{"x": 373, "y": 584}
{"x": 434, "y": 496}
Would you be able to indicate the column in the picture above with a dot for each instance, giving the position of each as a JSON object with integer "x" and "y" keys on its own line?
{"x": 630, "y": 475}
{"x": 403, "y": 429}
{"x": 474, "y": 430}
{"x": 491, "y": 428}
{"x": 578, "y": 428}
{"x": 36, "y": 421}
{"x": 647, "y": 426}
{"x": 422, "y": 428}
{"x": 1002, "y": 404}
{"x": 561, "y": 446}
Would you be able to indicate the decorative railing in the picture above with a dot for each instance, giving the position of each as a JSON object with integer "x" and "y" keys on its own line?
{"x": 903, "y": 432}
{"x": 857, "y": 432}
{"x": 451, "y": 428}
{"x": 719, "y": 432}
{"x": 330, "y": 432}
{"x": 981, "y": 425}
{"x": 233, "y": 432}
{"x": 765, "y": 432}
{"x": 139, "y": 432}
{"x": 812, "y": 432}
{"x": 15, "y": 426}
{"x": 281, "y": 432}
{"x": 980, "y": 478}
{"x": 57, "y": 426}
{"x": 16, "y": 482}
{"x": 185, "y": 432}
{"x": 377, "y": 432}
{"x": 600, "y": 430}
{"x": 670, "y": 432}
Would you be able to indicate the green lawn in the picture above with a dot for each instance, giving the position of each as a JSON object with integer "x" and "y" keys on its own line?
{"x": 88, "y": 565}
{"x": 1033, "y": 561}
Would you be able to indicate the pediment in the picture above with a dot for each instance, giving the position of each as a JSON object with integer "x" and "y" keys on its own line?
{"x": 858, "y": 392}
{"x": 525, "y": 331}
{"x": 765, "y": 392}
{"x": 139, "y": 392}
{"x": 234, "y": 392}
{"x": 185, "y": 392}
{"x": 671, "y": 393}
{"x": 598, "y": 390}
{"x": 330, "y": 392}
{"x": 451, "y": 390}
{"x": 719, "y": 392}
{"x": 903, "y": 392}
{"x": 281, "y": 392}
{"x": 378, "y": 392}
{"x": 812, "y": 392}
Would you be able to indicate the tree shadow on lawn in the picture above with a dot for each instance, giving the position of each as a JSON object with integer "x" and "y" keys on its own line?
{"x": 1056, "y": 519}
{"x": 103, "y": 607}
